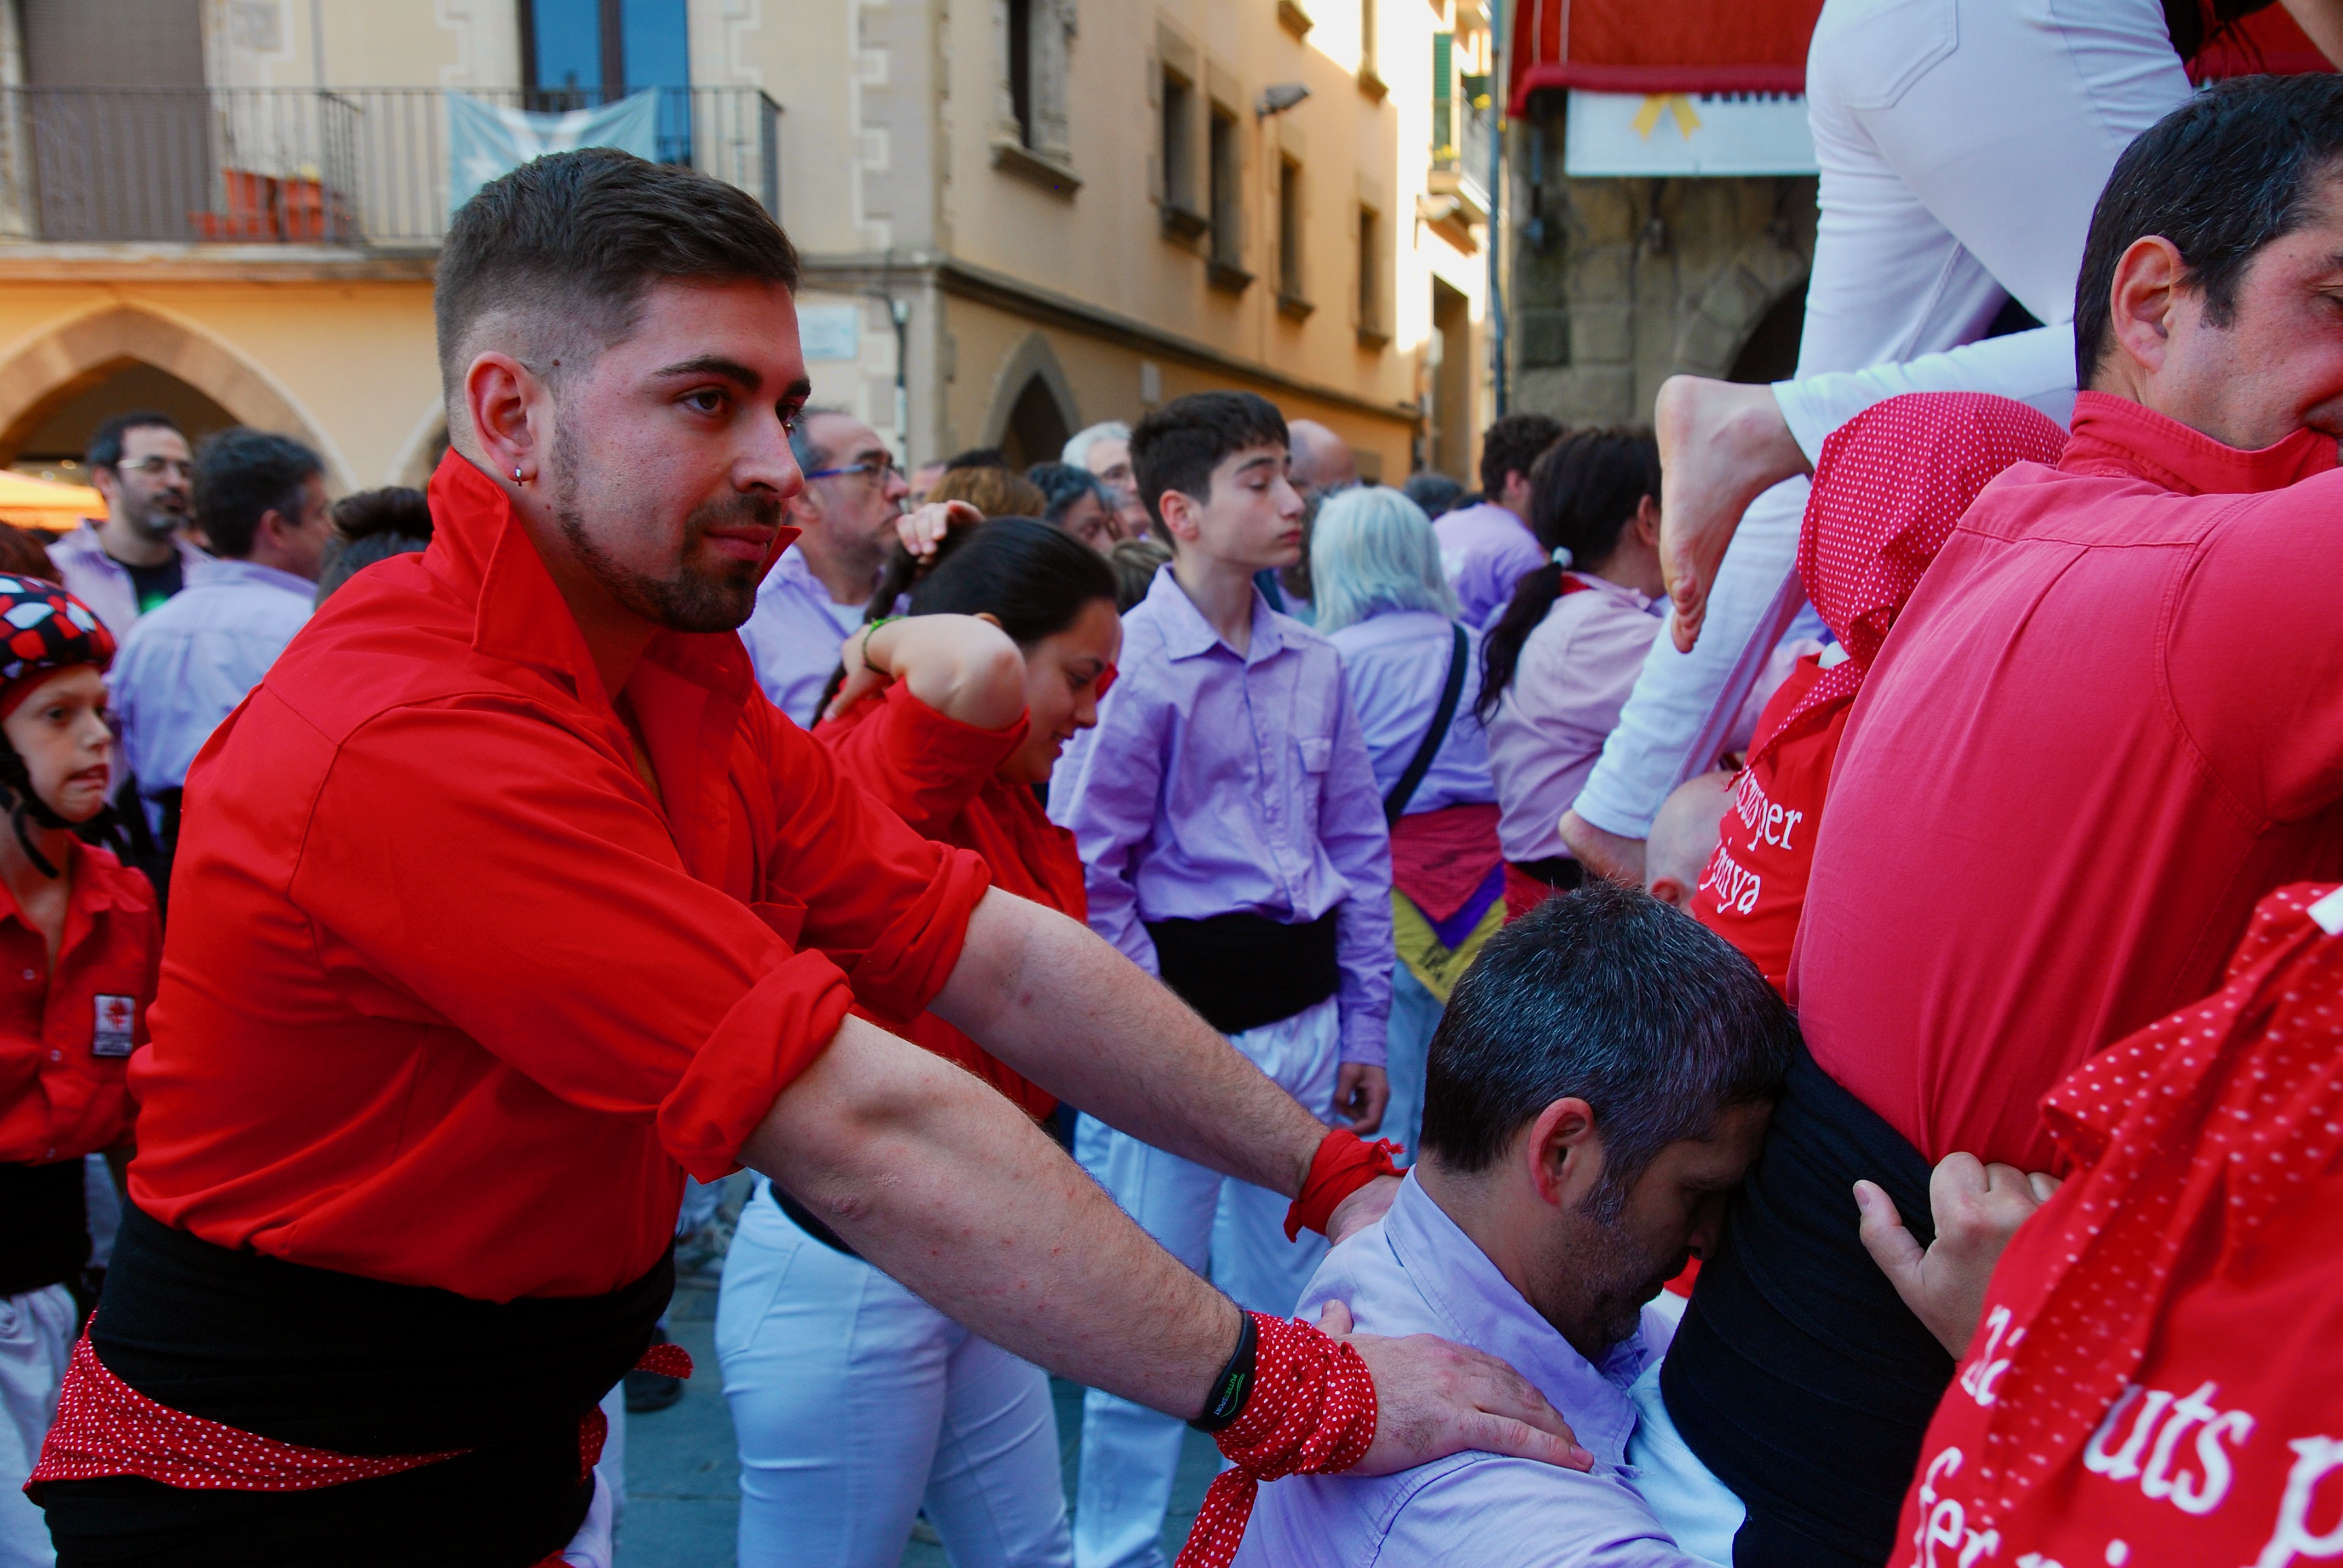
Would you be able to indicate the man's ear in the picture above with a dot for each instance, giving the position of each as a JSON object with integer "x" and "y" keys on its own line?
{"x": 508, "y": 405}
{"x": 1181, "y": 512}
{"x": 1648, "y": 520}
{"x": 1668, "y": 890}
{"x": 2149, "y": 279}
{"x": 1564, "y": 1152}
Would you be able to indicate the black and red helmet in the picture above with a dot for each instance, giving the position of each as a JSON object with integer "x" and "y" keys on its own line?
{"x": 46, "y": 630}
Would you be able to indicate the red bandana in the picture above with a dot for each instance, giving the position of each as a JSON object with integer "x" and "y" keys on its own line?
{"x": 1344, "y": 1163}
{"x": 1888, "y": 487}
{"x": 1312, "y": 1413}
{"x": 2236, "y": 1100}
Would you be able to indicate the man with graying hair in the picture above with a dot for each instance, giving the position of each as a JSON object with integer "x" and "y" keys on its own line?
{"x": 1601, "y": 1079}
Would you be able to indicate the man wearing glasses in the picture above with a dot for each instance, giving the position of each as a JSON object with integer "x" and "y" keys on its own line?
{"x": 135, "y": 557}
{"x": 815, "y": 593}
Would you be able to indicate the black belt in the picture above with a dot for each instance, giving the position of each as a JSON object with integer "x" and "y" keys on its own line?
{"x": 44, "y": 1226}
{"x": 1557, "y": 871}
{"x": 1799, "y": 1376}
{"x": 803, "y": 1218}
{"x": 1244, "y": 971}
{"x": 314, "y": 1356}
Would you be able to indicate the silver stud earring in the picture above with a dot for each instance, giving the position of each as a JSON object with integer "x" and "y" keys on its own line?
{"x": 517, "y": 478}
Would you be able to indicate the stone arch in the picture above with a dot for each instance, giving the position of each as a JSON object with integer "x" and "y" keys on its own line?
{"x": 1034, "y": 365}
{"x": 42, "y": 375}
{"x": 421, "y": 455}
{"x": 1760, "y": 274}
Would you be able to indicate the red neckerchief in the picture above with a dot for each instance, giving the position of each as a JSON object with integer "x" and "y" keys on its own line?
{"x": 1889, "y": 486}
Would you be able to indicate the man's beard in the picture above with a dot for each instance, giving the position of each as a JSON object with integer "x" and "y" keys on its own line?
{"x": 1607, "y": 1279}
{"x": 149, "y": 517}
{"x": 693, "y": 600}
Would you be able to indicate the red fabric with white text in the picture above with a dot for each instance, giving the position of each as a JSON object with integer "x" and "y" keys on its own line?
{"x": 2157, "y": 1379}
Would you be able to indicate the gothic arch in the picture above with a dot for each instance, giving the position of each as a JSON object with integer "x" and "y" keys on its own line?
{"x": 1033, "y": 360}
{"x": 44, "y": 374}
{"x": 1761, "y": 273}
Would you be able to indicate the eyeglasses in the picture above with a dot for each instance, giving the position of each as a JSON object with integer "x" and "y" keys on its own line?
{"x": 179, "y": 466}
{"x": 883, "y": 471}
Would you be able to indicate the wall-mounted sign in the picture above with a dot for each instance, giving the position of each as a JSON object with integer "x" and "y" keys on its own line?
{"x": 1620, "y": 134}
{"x": 830, "y": 331}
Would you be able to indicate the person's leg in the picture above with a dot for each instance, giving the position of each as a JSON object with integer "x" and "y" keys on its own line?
{"x": 1252, "y": 1260}
{"x": 1130, "y": 1453}
{"x": 835, "y": 1376}
{"x": 611, "y": 1468}
{"x": 36, "y": 1331}
{"x": 1415, "y": 1015}
{"x": 995, "y": 1494}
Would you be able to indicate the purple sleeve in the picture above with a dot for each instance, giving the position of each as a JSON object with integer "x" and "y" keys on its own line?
{"x": 1104, "y": 791}
{"x": 1350, "y": 827}
{"x": 1485, "y": 585}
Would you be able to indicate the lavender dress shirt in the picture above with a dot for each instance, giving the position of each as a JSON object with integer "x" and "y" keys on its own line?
{"x": 1415, "y": 1271}
{"x": 793, "y": 635}
{"x": 1397, "y": 665}
{"x": 1218, "y": 782}
{"x": 1485, "y": 549}
{"x": 1576, "y": 669}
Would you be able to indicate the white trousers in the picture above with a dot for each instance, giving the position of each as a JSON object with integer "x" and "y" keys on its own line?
{"x": 1231, "y": 1231}
{"x": 1962, "y": 145}
{"x": 856, "y": 1405}
{"x": 36, "y": 1331}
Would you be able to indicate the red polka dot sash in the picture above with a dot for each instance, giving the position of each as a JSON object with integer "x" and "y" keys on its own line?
{"x": 2237, "y": 1100}
{"x": 1312, "y": 1413}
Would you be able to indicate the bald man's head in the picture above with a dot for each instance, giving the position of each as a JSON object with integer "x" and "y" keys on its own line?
{"x": 1684, "y": 836}
{"x": 1320, "y": 460}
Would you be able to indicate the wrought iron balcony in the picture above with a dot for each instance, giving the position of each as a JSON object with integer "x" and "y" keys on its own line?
{"x": 297, "y": 165}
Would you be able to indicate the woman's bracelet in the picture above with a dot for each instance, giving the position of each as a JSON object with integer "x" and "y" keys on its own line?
{"x": 868, "y": 628}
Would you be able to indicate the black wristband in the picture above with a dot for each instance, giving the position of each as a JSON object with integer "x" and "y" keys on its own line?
{"x": 1232, "y": 1388}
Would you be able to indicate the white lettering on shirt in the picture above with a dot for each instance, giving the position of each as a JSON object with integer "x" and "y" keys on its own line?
{"x": 2315, "y": 1458}
{"x": 2159, "y": 1478}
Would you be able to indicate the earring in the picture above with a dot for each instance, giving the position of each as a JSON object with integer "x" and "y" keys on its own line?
{"x": 517, "y": 478}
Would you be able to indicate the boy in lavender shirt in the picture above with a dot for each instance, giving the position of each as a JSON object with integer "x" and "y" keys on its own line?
{"x": 1603, "y": 1077}
{"x": 1232, "y": 842}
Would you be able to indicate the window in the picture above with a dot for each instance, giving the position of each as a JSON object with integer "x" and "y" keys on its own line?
{"x": 1021, "y": 69}
{"x": 1227, "y": 154}
{"x": 577, "y": 54}
{"x": 1443, "y": 100}
{"x": 1370, "y": 279}
{"x": 1291, "y": 297}
{"x": 1179, "y": 145}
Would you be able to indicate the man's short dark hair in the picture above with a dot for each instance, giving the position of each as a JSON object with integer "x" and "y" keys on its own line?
{"x": 1512, "y": 446}
{"x": 2232, "y": 169}
{"x": 393, "y": 509}
{"x": 1177, "y": 447}
{"x": 105, "y": 449}
{"x": 976, "y": 458}
{"x": 241, "y": 475}
{"x": 1611, "y": 996}
{"x": 574, "y": 240}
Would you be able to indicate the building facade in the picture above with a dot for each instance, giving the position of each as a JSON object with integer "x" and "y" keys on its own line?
{"x": 1018, "y": 216}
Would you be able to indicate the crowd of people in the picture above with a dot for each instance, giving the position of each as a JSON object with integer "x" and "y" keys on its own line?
{"x": 1761, "y": 992}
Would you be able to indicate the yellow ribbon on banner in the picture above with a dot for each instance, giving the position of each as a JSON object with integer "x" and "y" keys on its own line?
{"x": 1647, "y": 119}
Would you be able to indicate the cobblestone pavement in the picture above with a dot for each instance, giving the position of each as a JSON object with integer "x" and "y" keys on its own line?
{"x": 683, "y": 1496}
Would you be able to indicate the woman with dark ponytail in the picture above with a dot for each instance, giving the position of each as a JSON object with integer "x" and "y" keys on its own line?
{"x": 1558, "y": 665}
{"x": 854, "y": 1402}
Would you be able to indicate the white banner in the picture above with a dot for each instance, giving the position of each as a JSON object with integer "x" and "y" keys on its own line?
{"x": 1618, "y": 134}
{"x": 485, "y": 141}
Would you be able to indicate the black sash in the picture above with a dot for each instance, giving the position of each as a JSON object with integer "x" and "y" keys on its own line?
{"x": 44, "y": 1226}
{"x": 334, "y": 1361}
{"x": 1243, "y": 970}
{"x": 1799, "y": 1376}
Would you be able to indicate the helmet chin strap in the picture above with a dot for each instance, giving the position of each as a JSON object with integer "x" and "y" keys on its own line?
{"x": 22, "y": 802}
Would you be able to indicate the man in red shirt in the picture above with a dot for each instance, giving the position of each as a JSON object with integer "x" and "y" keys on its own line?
{"x": 507, "y": 899}
{"x": 2105, "y": 724}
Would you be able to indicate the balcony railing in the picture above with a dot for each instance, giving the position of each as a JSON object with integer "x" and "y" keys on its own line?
{"x": 1460, "y": 169}
{"x": 357, "y": 167}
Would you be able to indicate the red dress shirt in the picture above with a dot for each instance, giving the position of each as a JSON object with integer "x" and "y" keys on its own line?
{"x": 942, "y": 777}
{"x": 2109, "y": 721}
{"x": 1756, "y": 884}
{"x": 66, "y": 1037}
{"x": 452, "y": 998}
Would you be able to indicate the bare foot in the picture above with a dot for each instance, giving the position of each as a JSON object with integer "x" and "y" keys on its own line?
{"x": 1722, "y": 446}
{"x": 1604, "y": 854}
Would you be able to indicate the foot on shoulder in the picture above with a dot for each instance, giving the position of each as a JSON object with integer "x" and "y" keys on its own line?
{"x": 1722, "y": 446}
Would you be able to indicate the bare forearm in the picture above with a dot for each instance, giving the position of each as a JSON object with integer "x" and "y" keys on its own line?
{"x": 946, "y": 1187}
{"x": 2321, "y": 22}
{"x": 1067, "y": 1010}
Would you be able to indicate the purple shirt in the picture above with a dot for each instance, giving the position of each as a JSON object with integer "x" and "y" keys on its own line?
{"x": 1217, "y": 782}
{"x": 1485, "y": 549}
{"x": 1413, "y": 1272}
{"x": 1397, "y": 666}
{"x": 793, "y": 635}
{"x": 1577, "y": 668}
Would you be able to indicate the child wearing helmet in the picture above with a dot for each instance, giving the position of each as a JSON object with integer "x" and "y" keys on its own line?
{"x": 80, "y": 945}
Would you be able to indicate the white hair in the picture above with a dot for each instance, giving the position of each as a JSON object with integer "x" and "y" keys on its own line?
{"x": 1373, "y": 552}
{"x": 1078, "y": 449}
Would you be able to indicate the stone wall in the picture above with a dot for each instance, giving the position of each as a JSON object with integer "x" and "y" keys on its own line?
{"x": 1618, "y": 284}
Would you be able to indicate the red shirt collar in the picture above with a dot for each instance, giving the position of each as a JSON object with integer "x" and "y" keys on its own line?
{"x": 2115, "y": 435}
{"x": 520, "y": 615}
